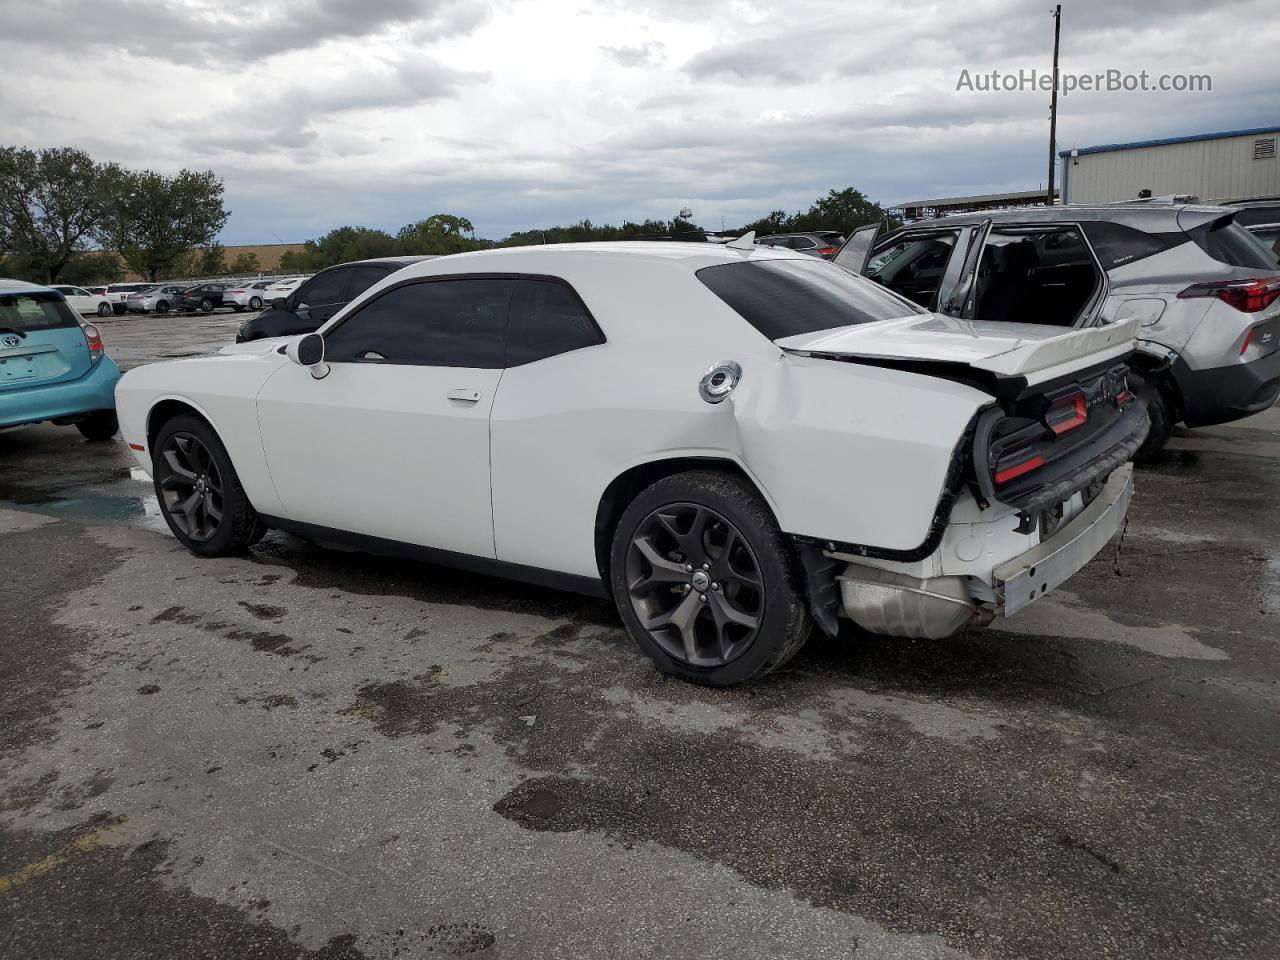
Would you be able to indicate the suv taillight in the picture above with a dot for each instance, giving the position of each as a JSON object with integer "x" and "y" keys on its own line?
{"x": 94, "y": 340}
{"x": 827, "y": 251}
{"x": 1249, "y": 296}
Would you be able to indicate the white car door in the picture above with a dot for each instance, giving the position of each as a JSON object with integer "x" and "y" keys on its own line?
{"x": 394, "y": 441}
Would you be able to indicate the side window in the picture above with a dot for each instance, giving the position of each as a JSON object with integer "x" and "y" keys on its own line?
{"x": 800, "y": 243}
{"x": 82, "y": 293}
{"x": 323, "y": 288}
{"x": 362, "y": 278}
{"x": 913, "y": 267}
{"x": 1117, "y": 245}
{"x": 437, "y": 323}
{"x": 547, "y": 319}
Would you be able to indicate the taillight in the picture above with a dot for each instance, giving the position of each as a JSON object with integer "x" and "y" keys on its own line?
{"x": 1250, "y": 296}
{"x": 94, "y": 341}
{"x": 1067, "y": 413}
{"x": 1015, "y": 470}
{"x": 827, "y": 251}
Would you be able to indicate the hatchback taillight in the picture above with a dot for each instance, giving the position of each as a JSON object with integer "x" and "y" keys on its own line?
{"x": 1249, "y": 296}
{"x": 827, "y": 251}
{"x": 94, "y": 341}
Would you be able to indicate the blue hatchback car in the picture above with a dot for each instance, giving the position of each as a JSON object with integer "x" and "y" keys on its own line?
{"x": 53, "y": 367}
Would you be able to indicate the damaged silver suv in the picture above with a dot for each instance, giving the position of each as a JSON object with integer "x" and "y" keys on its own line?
{"x": 1205, "y": 292}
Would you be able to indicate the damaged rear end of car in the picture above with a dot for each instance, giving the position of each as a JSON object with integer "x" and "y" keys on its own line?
{"x": 937, "y": 471}
{"x": 1038, "y": 483}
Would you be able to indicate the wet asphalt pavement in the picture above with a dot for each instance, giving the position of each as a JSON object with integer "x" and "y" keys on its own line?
{"x": 307, "y": 753}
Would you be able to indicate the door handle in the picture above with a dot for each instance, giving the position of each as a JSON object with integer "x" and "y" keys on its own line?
{"x": 464, "y": 394}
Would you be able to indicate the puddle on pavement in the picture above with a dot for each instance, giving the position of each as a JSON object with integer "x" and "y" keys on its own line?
{"x": 127, "y": 499}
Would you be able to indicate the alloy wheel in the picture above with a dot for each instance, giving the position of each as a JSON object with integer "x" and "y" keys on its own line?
{"x": 255, "y": 303}
{"x": 695, "y": 584}
{"x": 104, "y": 309}
{"x": 192, "y": 487}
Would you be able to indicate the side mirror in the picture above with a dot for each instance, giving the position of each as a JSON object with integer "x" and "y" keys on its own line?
{"x": 308, "y": 352}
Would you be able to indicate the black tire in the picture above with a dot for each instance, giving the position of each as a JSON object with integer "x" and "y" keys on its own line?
{"x": 99, "y": 425}
{"x": 104, "y": 309}
{"x": 1160, "y": 412}
{"x": 238, "y": 526}
{"x": 162, "y": 306}
{"x": 724, "y": 505}
{"x": 206, "y": 305}
{"x": 255, "y": 303}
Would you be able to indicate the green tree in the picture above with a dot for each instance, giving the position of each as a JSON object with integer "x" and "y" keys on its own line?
{"x": 213, "y": 260}
{"x": 440, "y": 233}
{"x": 245, "y": 264}
{"x": 842, "y": 210}
{"x": 93, "y": 268}
{"x": 52, "y": 205}
{"x": 154, "y": 221}
{"x": 340, "y": 246}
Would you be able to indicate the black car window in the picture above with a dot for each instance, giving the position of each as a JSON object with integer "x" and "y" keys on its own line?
{"x": 323, "y": 288}
{"x": 362, "y": 278}
{"x": 1228, "y": 242}
{"x": 438, "y": 323}
{"x": 800, "y": 243}
{"x": 1252, "y": 216}
{"x": 547, "y": 319}
{"x": 782, "y": 298}
{"x": 25, "y": 312}
{"x": 1116, "y": 244}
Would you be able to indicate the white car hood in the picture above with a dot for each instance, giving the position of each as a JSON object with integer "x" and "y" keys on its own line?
{"x": 1005, "y": 349}
{"x": 263, "y": 345}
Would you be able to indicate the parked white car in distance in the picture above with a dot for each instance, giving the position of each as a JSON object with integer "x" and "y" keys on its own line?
{"x": 250, "y": 295}
{"x": 732, "y": 442}
{"x": 281, "y": 289}
{"x": 84, "y": 302}
{"x": 158, "y": 298}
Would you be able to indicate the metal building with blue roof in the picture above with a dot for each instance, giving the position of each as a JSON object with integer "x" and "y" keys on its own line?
{"x": 1232, "y": 165}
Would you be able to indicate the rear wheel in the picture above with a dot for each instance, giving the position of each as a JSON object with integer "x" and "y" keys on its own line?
{"x": 104, "y": 309}
{"x": 1160, "y": 413}
{"x": 206, "y": 305}
{"x": 199, "y": 491}
{"x": 255, "y": 303}
{"x": 162, "y": 306}
{"x": 705, "y": 581}
{"x": 99, "y": 425}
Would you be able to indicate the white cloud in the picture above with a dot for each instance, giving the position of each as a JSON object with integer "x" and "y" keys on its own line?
{"x": 520, "y": 113}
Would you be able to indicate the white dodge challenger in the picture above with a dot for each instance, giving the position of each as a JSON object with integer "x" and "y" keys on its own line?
{"x": 734, "y": 443}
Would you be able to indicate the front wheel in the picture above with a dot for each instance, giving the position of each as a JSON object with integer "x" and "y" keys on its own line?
{"x": 104, "y": 309}
{"x": 199, "y": 491}
{"x": 99, "y": 425}
{"x": 206, "y": 305}
{"x": 706, "y": 582}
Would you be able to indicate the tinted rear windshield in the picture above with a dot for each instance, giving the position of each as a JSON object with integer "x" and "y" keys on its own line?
{"x": 1228, "y": 242}
{"x": 783, "y": 298}
{"x": 24, "y": 312}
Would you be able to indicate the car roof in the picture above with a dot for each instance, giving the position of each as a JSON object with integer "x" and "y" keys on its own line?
{"x": 1152, "y": 216}
{"x": 543, "y": 257}
{"x": 21, "y": 286}
{"x": 395, "y": 261}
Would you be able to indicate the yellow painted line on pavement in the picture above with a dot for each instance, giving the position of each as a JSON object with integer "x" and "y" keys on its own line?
{"x": 60, "y": 856}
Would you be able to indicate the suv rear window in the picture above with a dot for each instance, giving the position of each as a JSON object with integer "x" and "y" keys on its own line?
{"x": 25, "y": 312}
{"x": 1116, "y": 244}
{"x": 1228, "y": 242}
{"x": 783, "y": 298}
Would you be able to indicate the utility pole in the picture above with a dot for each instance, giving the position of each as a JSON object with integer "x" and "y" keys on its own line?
{"x": 1053, "y": 103}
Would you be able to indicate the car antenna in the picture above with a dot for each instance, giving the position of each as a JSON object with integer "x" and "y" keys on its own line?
{"x": 745, "y": 242}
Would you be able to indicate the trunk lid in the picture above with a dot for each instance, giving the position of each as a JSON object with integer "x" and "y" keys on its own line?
{"x": 41, "y": 341}
{"x": 1028, "y": 351}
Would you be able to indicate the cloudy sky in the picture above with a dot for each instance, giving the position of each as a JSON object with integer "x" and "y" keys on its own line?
{"x": 526, "y": 113}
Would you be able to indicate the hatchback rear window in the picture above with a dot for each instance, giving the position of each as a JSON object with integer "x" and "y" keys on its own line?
{"x": 1228, "y": 242}
{"x": 783, "y": 298}
{"x": 24, "y": 312}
